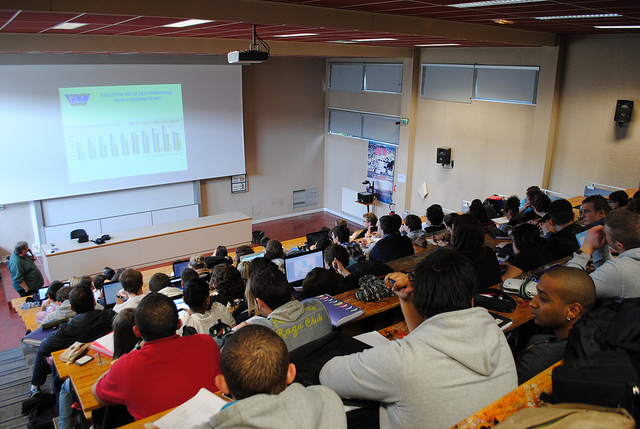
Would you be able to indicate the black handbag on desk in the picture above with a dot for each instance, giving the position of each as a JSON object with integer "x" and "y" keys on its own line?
{"x": 495, "y": 300}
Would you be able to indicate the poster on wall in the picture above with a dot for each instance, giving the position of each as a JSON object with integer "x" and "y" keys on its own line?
{"x": 381, "y": 159}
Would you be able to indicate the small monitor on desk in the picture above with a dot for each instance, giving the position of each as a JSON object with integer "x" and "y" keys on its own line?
{"x": 251, "y": 256}
{"x": 179, "y": 267}
{"x": 110, "y": 293}
{"x": 297, "y": 267}
{"x": 42, "y": 293}
{"x": 314, "y": 237}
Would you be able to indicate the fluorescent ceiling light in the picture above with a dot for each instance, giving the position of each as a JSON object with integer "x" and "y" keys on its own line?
{"x": 188, "y": 23}
{"x": 491, "y": 3}
{"x": 296, "y": 35}
{"x": 341, "y": 41}
{"x": 68, "y": 26}
{"x": 597, "y": 15}
{"x": 619, "y": 27}
{"x": 440, "y": 44}
{"x": 381, "y": 39}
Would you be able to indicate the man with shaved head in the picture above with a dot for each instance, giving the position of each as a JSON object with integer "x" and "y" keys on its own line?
{"x": 564, "y": 295}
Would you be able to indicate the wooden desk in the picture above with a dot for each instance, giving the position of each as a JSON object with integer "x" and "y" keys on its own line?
{"x": 370, "y": 308}
{"x": 577, "y": 200}
{"x": 527, "y": 395}
{"x": 83, "y": 377}
{"x": 148, "y": 245}
{"x": 521, "y": 315}
{"x": 28, "y": 316}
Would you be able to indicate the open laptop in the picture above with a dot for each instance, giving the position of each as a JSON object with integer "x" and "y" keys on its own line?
{"x": 314, "y": 237}
{"x": 179, "y": 266}
{"x": 110, "y": 293}
{"x": 251, "y": 256}
{"x": 42, "y": 293}
{"x": 296, "y": 267}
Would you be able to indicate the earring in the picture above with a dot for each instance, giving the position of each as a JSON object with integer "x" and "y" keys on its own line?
{"x": 568, "y": 319}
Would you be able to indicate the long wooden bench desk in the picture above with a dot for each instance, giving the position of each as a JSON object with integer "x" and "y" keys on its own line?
{"x": 83, "y": 377}
{"x": 527, "y": 395}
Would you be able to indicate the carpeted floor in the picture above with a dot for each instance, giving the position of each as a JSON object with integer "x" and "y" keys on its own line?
{"x": 15, "y": 379}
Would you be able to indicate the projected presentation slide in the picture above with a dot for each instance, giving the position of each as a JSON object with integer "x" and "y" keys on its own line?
{"x": 79, "y": 129}
{"x": 140, "y": 126}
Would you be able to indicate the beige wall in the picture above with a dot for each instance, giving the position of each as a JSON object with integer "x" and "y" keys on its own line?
{"x": 599, "y": 70}
{"x": 496, "y": 147}
{"x": 15, "y": 225}
{"x": 283, "y": 103}
{"x": 345, "y": 157}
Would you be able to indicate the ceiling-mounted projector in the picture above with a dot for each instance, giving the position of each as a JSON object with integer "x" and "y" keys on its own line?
{"x": 247, "y": 57}
{"x": 252, "y": 55}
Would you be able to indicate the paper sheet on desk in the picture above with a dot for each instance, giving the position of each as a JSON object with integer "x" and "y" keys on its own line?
{"x": 373, "y": 338}
{"x": 195, "y": 413}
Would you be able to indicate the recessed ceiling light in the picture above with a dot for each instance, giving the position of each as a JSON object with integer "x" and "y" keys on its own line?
{"x": 296, "y": 35}
{"x": 68, "y": 26}
{"x": 503, "y": 21}
{"x": 492, "y": 3}
{"x": 438, "y": 44}
{"x": 619, "y": 27}
{"x": 381, "y": 39}
{"x": 597, "y": 15}
{"x": 187, "y": 23}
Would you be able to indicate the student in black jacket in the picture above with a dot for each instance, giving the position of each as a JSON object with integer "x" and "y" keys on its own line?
{"x": 88, "y": 325}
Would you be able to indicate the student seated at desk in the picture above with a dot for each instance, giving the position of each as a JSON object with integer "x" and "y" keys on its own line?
{"x": 618, "y": 199}
{"x": 124, "y": 340}
{"x": 88, "y": 325}
{"x": 392, "y": 245}
{"x": 478, "y": 211}
{"x": 228, "y": 289}
{"x": 561, "y": 230}
{"x": 434, "y": 222}
{"x": 202, "y": 313}
{"x": 467, "y": 238}
{"x": 50, "y": 304}
{"x": 296, "y": 322}
{"x": 593, "y": 211}
{"x": 340, "y": 235}
{"x": 159, "y": 376}
{"x": 257, "y": 374}
{"x": 564, "y": 295}
{"x": 454, "y": 361}
{"x": 617, "y": 278}
{"x": 319, "y": 281}
{"x": 529, "y": 249}
{"x": 541, "y": 208}
{"x": 412, "y": 227}
{"x": 369, "y": 222}
{"x": 161, "y": 283}
{"x": 512, "y": 211}
{"x": 199, "y": 264}
{"x": 242, "y": 251}
{"x": 132, "y": 282}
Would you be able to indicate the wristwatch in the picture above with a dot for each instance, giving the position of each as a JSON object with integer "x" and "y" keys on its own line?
{"x": 579, "y": 252}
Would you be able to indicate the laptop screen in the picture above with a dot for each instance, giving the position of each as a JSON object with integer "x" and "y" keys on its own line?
{"x": 42, "y": 293}
{"x": 314, "y": 237}
{"x": 580, "y": 237}
{"x": 298, "y": 266}
{"x": 180, "y": 304}
{"x": 179, "y": 267}
{"x": 251, "y": 256}
{"x": 110, "y": 292}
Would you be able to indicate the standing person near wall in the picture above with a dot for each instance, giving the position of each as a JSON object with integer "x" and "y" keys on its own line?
{"x": 26, "y": 276}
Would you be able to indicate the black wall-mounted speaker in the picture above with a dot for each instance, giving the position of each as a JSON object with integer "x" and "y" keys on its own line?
{"x": 623, "y": 112}
{"x": 443, "y": 155}
{"x": 365, "y": 197}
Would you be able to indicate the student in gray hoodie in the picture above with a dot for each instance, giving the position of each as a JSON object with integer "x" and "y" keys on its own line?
{"x": 297, "y": 323}
{"x": 454, "y": 361}
{"x": 255, "y": 373}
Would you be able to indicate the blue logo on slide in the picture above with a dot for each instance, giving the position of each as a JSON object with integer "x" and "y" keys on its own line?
{"x": 78, "y": 99}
